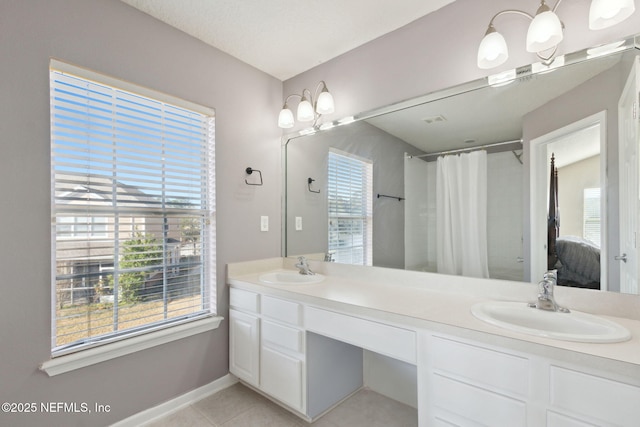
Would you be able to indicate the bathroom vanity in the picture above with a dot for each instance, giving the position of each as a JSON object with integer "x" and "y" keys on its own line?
{"x": 303, "y": 345}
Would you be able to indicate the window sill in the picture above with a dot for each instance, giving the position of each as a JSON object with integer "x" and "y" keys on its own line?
{"x": 91, "y": 356}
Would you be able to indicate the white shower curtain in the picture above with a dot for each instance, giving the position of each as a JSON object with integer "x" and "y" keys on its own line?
{"x": 461, "y": 192}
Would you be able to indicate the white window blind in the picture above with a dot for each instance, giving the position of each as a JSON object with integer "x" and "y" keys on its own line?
{"x": 349, "y": 193}
{"x": 133, "y": 211}
{"x": 592, "y": 215}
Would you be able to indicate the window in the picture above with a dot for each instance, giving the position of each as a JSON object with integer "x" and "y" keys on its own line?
{"x": 349, "y": 193}
{"x": 592, "y": 215}
{"x": 82, "y": 227}
{"x": 133, "y": 206}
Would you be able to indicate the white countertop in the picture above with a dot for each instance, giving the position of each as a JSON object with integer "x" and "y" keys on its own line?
{"x": 443, "y": 303}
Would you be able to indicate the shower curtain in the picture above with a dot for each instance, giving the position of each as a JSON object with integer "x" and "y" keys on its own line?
{"x": 461, "y": 216}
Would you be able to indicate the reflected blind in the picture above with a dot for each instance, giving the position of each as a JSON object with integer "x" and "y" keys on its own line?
{"x": 132, "y": 203}
{"x": 349, "y": 196}
{"x": 592, "y": 215}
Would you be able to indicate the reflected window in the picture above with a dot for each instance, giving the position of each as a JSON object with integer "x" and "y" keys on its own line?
{"x": 350, "y": 194}
{"x": 591, "y": 221}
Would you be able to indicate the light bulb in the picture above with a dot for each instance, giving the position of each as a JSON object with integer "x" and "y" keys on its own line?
{"x": 545, "y": 31}
{"x": 493, "y": 49}
{"x": 606, "y": 13}
{"x": 285, "y": 118}
{"x": 325, "y": 103}
{"x": 305, "y": 111}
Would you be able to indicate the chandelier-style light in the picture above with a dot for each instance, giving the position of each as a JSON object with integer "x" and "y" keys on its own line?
{"x": 308, "y": 110}
{"x": 546, "y": 30}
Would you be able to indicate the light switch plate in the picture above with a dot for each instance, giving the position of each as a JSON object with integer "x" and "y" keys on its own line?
{"x": 298, "y": 223}
{"x": 264, "y": 223}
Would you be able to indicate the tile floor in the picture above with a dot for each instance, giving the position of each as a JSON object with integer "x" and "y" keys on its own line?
{"x": 239, "y": 406}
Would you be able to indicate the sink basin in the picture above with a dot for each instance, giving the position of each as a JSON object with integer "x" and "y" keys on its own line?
{"x": 574, "y": 326}
{"x": 286, "y": 277}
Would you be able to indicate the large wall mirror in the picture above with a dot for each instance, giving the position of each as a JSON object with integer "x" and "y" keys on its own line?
{"x": 411, "y": 185}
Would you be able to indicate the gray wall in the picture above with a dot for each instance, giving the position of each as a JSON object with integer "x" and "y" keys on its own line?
{"x": 307, "y": 157}
{"x": 110, "y": 37}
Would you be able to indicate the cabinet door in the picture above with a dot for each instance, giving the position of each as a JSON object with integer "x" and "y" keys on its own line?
{"x": 244, "y": 346}
{"x": 281, "y": 377}
{"x": 472, "y": 385}
{"x": 599, "y": 400}
{"x": 474, "y": 406}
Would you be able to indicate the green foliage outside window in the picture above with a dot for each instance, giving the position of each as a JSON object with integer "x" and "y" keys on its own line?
{"x": 138, "y": 253}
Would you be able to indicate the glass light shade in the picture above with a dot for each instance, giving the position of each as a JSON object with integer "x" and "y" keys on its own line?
{"x": 606, "y": 13}
{"x": 285, "y": 118}
{"x": 545, "y": 31}
{"x": 325, "y": 103}
{"x": 492, "y": 51}
{"x": 305, "y": 111}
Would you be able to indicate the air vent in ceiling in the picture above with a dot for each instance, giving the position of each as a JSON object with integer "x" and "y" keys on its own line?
{"x": 434, "y": 119}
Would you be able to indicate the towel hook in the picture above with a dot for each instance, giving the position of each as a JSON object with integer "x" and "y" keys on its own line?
{"x": 309, "y": 181}
{"x": 249, "y": 171}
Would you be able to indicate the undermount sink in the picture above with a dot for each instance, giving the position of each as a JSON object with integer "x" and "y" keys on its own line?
{"x": 573, "y": 326}
{"x": 286, "y": 277}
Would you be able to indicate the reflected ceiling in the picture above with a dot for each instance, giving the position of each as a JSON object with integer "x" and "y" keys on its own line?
{"x": 487, "y": 115}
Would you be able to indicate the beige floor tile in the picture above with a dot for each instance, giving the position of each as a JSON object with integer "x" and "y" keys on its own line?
{"x": 265, "y": 415}
{"x": 187, "y": 417}
{"x": 369, "y": 409}
{"x": 239, "y": 406}
{"x": 322, "y": 422}
{"x": 228, "y": 403}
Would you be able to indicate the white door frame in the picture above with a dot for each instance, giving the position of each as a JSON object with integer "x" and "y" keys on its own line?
{"x": 628, "y": 181}
{"x": 538, "y": 195}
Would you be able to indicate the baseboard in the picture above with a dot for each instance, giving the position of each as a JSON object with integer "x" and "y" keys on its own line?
{"x": 173, "y": 405}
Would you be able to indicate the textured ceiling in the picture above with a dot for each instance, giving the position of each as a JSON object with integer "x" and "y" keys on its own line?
{"x": 287, "y": 37}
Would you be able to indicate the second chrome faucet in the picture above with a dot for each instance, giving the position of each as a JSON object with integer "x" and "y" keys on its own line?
{"x": 546, "y": 300}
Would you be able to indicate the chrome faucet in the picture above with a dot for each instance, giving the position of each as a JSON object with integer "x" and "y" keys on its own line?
{"x": 546, "y": 301}
{"x": 304, "y": 266}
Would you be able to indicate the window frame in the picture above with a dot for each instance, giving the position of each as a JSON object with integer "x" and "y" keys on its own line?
{"x": 125, "y": 343}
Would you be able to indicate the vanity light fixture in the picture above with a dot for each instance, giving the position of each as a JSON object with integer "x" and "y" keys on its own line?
{"x": 308, "y": 109}
{"x": 546, "y": 30}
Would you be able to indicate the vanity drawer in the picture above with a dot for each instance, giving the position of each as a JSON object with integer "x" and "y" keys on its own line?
{"x": 558, "y": 420}
{"x": 282, "y": 336}
{"x": 481, "y": 406}
{"x": 381, "y": 338}
{"x": 496, "y": 370}
{"x": 244, "y": 300}
{"x": 282, "y": 310}
{"x": 595, "y": 397}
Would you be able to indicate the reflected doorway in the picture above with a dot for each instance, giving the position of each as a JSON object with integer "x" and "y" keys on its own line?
{"x": 580, "y": 159}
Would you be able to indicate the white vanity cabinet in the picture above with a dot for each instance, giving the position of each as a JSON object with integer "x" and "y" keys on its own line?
{"x": 471, "y": 384}
{"x": 310, "y": 347}
{"x": 266, "y": 345}
{"x": 244, "y": 336}
{"x": 271, "y": 350}
{"x": 282, "y": 356}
